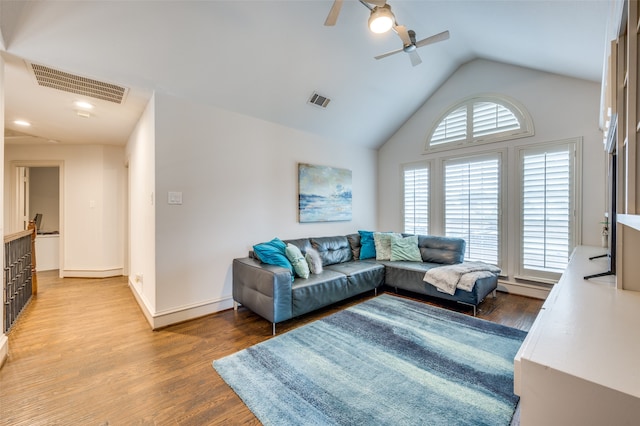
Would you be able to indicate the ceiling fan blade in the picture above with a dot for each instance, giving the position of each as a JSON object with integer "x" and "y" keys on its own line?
{"x": 384, "y": 55}
{"x": 415, "y": 58}
{"x": 401, "y": 30}
{"x": 333, "y": 13}
{"x": 433, "y": 39}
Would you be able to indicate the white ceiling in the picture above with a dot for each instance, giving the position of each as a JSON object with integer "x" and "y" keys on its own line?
{"x": 265, "y": 58}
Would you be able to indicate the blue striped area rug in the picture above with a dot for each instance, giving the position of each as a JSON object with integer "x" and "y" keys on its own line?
{"x": 386, "y": 361}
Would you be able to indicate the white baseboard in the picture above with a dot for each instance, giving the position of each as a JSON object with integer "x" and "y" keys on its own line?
{"x": 184, "y": 313}
{"x": 537, "y": 292}
{"x": 4, "y": 349}
{"x": 88, "y": 273}
{"x": 174, "y": 316}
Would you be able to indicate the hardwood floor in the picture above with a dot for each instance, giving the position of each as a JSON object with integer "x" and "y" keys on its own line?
{"x": 82, "y": 353}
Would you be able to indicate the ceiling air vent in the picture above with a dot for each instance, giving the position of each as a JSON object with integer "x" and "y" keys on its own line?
{"x": 319, "y": 100}
{"x": 60, "y": 80}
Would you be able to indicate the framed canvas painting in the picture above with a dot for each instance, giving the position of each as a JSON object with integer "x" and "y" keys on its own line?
{"x": 324, "y": 193}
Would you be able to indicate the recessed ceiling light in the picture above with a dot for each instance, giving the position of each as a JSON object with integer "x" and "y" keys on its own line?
{"x": 22, "y": 123}
{"x": 83, "y": 104}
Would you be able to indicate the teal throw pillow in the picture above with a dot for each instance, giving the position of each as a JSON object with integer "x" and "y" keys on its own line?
{"x": 273, "y": 253}
{"x": 297, "y": 261}
{"x": 405, "y": 249}
{"x": 367, "y": 245}
{"x": 382, "y": 241}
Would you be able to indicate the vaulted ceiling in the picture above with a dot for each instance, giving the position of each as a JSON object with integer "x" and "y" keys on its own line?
{"x": 265, "y": 59}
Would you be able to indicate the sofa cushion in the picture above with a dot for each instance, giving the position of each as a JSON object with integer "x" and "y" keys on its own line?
{"x": 354, "y": 242}
{"x": 332, "y": 249}
{"x": 405, "y": 248}
{"x": 383, "y": 244}
{"x": 273, "y": 253}
{"x": 367, "y": 245}
{"x": 300, "y": 265}
{"x": 302, "y": 243}
{"x": 444, "y": 250}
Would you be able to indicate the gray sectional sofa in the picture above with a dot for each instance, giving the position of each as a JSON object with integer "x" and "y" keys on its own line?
{"x": 274, "y": 293}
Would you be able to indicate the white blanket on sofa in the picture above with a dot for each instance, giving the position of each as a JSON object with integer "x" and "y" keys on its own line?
{"x": 461, "y": 275}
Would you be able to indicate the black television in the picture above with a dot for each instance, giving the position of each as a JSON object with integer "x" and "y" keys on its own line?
{"x": 612, "y": 174}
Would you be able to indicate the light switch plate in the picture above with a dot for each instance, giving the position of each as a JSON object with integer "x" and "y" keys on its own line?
{"x": 174, "y": 197}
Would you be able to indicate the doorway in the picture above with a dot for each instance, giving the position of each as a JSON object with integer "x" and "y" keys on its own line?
{"x": 37, "y": 193}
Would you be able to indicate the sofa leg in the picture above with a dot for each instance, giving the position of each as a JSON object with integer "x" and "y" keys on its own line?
{"x": 495, "y": 293}
{"x": 273, "y": 328}
{"x": 375, "y": 291}
{"x": 235, "y": 305}
{"x": 474, "y": 310}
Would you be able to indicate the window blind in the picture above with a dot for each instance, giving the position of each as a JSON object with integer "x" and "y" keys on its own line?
{"x": 452, "y": 128}
{"x": 546, "y": 210}
{"x": 416, "y": 201}
{"x": 472, "y": 206}
{"x": 490, "y": 117}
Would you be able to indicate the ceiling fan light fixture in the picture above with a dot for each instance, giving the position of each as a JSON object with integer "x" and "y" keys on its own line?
{"x": 381, "y": 19}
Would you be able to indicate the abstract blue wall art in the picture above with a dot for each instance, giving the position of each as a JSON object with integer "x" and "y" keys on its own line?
{"x": 324, "y": 193}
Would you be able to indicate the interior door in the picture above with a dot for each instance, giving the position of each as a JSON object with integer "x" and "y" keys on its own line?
{"x": 22, "y": 191}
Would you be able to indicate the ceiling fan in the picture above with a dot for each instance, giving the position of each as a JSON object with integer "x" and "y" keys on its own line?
{"x": 410, "y": 44}
{"x": 337, "y": 5}
{"x": 382, "y": 20}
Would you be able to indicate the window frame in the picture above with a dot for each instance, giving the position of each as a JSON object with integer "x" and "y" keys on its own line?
{"x": 501, "y": 155}
{"x": 575, "y": 145}
{"x": 415, "y": 166}
{"x": 526, "y": 123}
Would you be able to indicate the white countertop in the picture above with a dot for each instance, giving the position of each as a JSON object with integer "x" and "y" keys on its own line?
{"x": 589, "y": 328}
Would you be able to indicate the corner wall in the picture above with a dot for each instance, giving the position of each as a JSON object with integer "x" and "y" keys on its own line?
{"x": 561, "y": 108}
{"x": 238, "y": 179}
{"x": 92, "y": 198}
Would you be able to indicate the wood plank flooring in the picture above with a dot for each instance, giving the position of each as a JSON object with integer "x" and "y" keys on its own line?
{"x": 83, "y": 354}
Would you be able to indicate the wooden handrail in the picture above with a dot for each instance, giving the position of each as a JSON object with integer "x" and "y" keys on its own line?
{"x": 17, "y": 235}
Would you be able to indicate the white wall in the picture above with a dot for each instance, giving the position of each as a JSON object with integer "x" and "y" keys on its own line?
{"x": 4, "y": 341}
{"x": 238, "y": 178}
{"x": 142, "y": 243}
{"x": 561, "y": 108}
{"x": 92, "y": 195}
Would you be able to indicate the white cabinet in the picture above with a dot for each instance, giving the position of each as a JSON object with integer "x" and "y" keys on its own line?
{"x": 47, "y": 252}
{"x": 579, "y": 364}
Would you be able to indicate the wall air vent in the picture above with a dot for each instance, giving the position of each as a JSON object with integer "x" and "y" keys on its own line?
{"x": 319, "y": 100}
{"x": 60, "y": 80}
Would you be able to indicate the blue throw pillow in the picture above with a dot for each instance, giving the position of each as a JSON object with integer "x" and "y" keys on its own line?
{"x": 273, "y": 253}
{"x": 368, "y": 245}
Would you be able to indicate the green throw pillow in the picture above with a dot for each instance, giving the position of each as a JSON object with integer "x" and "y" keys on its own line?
{"x": 297, "y": 261}
{"x": 405, "y": 249}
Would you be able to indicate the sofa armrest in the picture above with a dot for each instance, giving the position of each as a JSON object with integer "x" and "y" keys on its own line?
{"x": 265, "y": 289}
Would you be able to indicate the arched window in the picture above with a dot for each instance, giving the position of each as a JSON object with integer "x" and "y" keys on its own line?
{"x": 480, "y": 119}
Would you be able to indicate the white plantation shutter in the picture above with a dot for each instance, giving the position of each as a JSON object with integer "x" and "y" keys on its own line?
{"x": 489, "y": 118}
{"x": 480, "y": 120}
{"x": 416, "y": 200}
{"x": 452, "y": 128}
{"x": 472, "y": 206}
{"x": 547, "y": 209}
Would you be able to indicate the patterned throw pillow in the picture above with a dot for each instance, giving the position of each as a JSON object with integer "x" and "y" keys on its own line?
{"x": 383, "y": 244}
{"x": 313, "y": 259}
{"x": 297, "y": 261}
{"x": 405, "y": 249}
